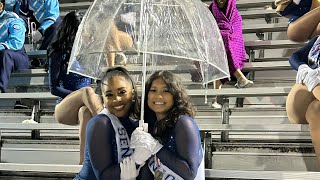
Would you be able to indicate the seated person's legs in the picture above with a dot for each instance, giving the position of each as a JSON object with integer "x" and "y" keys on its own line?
{"x": 305, "y": 27}
{"x": 11, "y": 61}
{"x": 312, "y": 116}
{"x": 298, "y": 100}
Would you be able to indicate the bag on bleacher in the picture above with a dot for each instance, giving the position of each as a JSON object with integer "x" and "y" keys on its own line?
{"x": 285, "y": 7}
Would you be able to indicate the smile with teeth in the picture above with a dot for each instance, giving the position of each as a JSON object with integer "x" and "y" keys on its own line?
{"x": 159, "y": 103}
{"x": 118, "y": 107}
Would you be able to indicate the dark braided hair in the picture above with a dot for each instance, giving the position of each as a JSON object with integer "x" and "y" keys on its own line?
{"x": 182, "y": 104}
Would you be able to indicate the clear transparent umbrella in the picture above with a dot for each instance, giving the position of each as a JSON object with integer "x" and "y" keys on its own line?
{"x": 176, "y": 35}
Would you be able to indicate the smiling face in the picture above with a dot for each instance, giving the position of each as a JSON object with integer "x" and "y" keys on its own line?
{"x": 160, "y": 100}
{"x": 117, "y": 95}
{"x": 221, "y": 3}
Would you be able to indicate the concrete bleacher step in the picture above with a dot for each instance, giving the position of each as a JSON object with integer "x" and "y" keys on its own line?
{"x": 241, "y": 4}
{"x": 271, "y": 44}
{"x": 40, "y": 151}
{"x": 264, "y": 156}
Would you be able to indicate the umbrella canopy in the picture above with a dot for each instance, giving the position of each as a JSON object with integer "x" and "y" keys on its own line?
{"x": 176, "y": 35}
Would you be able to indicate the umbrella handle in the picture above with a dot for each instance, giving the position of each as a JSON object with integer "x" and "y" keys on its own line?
{"x": 143, "y": 125}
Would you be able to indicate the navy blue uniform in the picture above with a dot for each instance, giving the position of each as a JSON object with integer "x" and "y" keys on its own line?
{"x": 293, "y": 11}
{"x": 101, "y": 156}
{"x": 62, "y": 84}
{"x": 12, "y": 53}
{"x": 301, "y": 56}
{"x": 46, "y": 15}
{"x": 181, "y": 152}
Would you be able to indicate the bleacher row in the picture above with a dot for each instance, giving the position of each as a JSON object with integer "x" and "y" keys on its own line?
{"x": 249, "y": 138}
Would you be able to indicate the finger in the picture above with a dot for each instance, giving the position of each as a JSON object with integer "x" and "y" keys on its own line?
{"x": 121, "y": 166}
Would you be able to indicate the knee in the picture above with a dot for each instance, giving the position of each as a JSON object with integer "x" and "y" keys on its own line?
{"x": 313, "y": 114}
{"x": 87, "y": 91}
{"x": 58, "y": 116}
{"x": 297, "y": 103}
{"x": 295, "y": 36}
{"x": 84, "y": 112}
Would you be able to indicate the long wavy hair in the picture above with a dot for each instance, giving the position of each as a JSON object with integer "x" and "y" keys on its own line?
{"x": 120, "y": 71}
{"x": 182, "y": 104}
{"x": 66, "y": 33}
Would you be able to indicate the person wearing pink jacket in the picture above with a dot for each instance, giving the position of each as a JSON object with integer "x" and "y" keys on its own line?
{"x": 229, "y": 21}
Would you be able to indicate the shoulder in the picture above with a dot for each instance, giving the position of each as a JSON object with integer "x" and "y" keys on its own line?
{"x": 13, "y": 18}
{"x": 99, "y": 121}
{"x": 186, "y": 122}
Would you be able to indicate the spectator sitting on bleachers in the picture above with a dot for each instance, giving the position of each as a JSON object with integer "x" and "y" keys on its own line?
{"x": 303, "y": 101}
{"x": 12, "y": 6}
{"x": 304, "y": 18}
{"x": 12, "y": 53}
{"x": 108, "y": 134}
{"x": 46, "y": 15}
{"x": 229, "y": 21}
{"x": 169, "y": 113}
{"x": 62, "y": 84}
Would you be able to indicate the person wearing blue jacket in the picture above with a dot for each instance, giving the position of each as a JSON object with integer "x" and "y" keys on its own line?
{"x": 303, "y": 101}
{"x": 12, "y": 53}
{"x": 12, "y": 6}
{"x": 46, "y": 15}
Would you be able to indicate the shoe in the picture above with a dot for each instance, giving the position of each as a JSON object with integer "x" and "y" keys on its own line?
{"x": 29, "y": 121}
{"x": 216, "y": 105}
{"x": 19, "y": 105}
{"x": 243, "y": 83}
{"x": 123, "y": 58}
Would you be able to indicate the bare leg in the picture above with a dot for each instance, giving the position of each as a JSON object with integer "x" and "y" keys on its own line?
{"x": 298, "y": 100}
{"x": 125, "y": 40}
{"x": 66, "y": 112}
{"x": 242, "y": 81}
{"x": 238, "y": 74}
{"x": 84, "y": 117}
{"x": 305, "y": 27}
{"x": 312, "y": 116}
{"x": 216, "y": 85}
{"x": 111, "y": 57}
{"x": 316, "y": 92}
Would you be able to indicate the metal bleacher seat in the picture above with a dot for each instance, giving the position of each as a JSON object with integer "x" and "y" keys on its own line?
{"x": 216, "y": 126}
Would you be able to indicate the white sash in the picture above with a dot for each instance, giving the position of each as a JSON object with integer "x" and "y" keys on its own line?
{"x": 168, "y": 174}
{"x": 122, "y": 138}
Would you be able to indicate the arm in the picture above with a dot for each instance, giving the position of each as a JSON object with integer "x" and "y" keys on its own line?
{"x": 16, "y": 36}
{"x": 187, "y": 159}
{"x": 51, "y": 14}
{"x": 99, "y": 141}
{"x": 301, "y": 56}
{"x": 55, "y": 61}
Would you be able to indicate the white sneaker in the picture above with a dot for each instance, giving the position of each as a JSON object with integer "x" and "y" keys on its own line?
{"x": 216, "y": 105}
{"x": 29, "y": 121}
